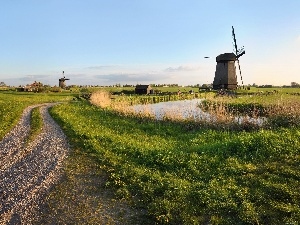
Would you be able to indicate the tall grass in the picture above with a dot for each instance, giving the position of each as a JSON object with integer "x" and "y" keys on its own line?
{"x": 101, "y": 99}
{"x": 279, "y": 110}
{"x": 223, "y": 113}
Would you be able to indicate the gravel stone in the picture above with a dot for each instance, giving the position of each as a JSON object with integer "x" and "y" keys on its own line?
{"x": 28, "y": 171}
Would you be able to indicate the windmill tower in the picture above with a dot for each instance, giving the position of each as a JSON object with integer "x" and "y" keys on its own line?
{"x": 62, "y": 80}
{"x": 225, "y": 75}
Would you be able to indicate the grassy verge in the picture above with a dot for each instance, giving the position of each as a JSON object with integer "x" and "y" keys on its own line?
{"x": 188, "y": 176}
{"x": 82, "y": 197}
{"x": 36, "y": 124}
{"x": 12, "y": 105}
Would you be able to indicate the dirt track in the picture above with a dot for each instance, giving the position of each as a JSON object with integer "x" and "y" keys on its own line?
{"x": 27, "y": 171}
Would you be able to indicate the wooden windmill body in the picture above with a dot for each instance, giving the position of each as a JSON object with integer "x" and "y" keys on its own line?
{"x": 225, "y": 75}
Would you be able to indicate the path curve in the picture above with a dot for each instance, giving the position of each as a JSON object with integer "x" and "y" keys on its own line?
{"x": 27, "y": 171}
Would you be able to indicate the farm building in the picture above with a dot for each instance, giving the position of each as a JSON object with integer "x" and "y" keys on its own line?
{"x": 34, "y": 87}
{"x": 143, "y": 89}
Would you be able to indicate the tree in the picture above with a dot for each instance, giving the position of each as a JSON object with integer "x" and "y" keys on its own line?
{"x": 2, "y": 84}
{"x": 295, "y": 84}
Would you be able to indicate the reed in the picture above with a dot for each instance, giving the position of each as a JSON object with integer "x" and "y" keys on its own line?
{"x": 273, "y": 111}
{"x": 223, "y": 113}
{"x": 101, "y": 98}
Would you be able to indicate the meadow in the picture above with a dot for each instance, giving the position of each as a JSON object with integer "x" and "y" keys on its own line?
{"x": 12, "y": 104}
{"x": 182, "y": 173}
{"x": 185, "y": 172}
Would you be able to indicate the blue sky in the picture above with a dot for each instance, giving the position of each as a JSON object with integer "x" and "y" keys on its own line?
{"x": 146, "y": 41}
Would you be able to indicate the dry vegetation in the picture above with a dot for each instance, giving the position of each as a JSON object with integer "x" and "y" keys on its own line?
{"x": 226, "y": 112}
{"x": 101, "y": 99}
{"x": 276, "y": 110}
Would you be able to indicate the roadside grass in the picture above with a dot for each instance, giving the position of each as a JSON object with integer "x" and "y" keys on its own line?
{"x": 12, "y": 105}
{"x": 82, "y": 188}
{"x": 191, "y": 176}
{"x": 82, "y": 197}
{"x": 36, "y": 124}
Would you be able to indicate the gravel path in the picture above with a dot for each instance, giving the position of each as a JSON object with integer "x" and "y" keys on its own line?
{"x": 27, "y": 171}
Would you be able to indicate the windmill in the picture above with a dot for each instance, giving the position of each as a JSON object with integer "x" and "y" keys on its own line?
{"x": 62, "y": 80}
{"x": 225, "y": 75}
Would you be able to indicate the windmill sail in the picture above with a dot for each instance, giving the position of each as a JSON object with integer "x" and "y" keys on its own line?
{"x": 238, "y": 53}
{"x": 238, "y": 61}
{"x": 234, "y": 40}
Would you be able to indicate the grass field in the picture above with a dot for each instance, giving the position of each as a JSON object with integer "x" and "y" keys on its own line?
{"x": 12, "y": 105}
{"x": 192, "y": 176}
{"x": 181, "y": 173}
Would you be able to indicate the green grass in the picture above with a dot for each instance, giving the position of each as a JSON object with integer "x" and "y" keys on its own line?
{"x": 188, "y": 176}
{"x": 12, "y": 105}
{"x": 36, "y": 124}
{"x": 179, "y": 174}
{"x": 81, "y": 197}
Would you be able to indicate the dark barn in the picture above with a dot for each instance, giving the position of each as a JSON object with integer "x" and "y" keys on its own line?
{"x": 143, "y": 89}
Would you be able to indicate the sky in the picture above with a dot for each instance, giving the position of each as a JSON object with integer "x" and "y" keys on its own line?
{"x": 101, "y": 42}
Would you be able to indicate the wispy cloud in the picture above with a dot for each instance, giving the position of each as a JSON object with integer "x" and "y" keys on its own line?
{"x": 100, "y": 67}
{"x": 112, "y": 74}
{"x": 181, "y": 69}
{"x": 123, "y": 77}
{"x": 131, "y": 77}
{"x": 75, "y": 75}
{"x": 34, "y": 77}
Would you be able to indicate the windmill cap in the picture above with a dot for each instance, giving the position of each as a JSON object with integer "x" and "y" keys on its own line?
{"x": 226, "y": 57}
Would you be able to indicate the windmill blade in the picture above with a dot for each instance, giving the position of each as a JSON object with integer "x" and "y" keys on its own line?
{"x": 234, "y": 39}
{"x": 238, "y": 61}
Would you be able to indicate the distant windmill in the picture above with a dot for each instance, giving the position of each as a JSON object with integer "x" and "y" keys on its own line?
{"x": 62, "y": 83}
{"x": 225, "y": 75}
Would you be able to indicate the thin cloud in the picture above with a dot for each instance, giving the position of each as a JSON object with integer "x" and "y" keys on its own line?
{"x": 102, "y": 67}
{"x": 181, "y": 69}
{"x": 123, "y": 77}
{"x": 75, "y": 75}
{"x": 149, "y": 77}
{"x": 34, "y": 77}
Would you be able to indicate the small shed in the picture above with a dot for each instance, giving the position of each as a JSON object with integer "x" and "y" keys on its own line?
{"x": 143, "y": 89}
